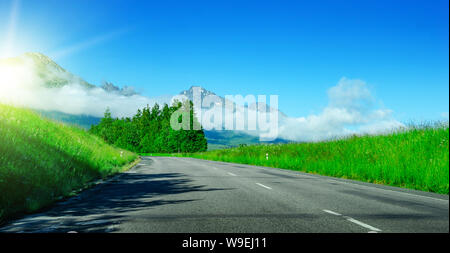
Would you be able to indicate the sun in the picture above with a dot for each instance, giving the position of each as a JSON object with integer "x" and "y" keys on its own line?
{"x": 16, "y": 75}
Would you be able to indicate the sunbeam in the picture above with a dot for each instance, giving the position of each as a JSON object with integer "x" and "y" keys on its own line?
{"x": 8, "y": 49}
{"x": 87, "y": 44}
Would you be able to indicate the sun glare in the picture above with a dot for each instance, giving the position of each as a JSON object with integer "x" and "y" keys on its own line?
{"x": 15, "y": 76}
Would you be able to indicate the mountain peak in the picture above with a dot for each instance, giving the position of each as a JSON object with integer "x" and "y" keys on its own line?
{"x": 195, "y": 88}
{"x": 42, "y": 61}
{"x": 200, "y": 88}
{"x": 50, "y": 72}
{"x": 37, "y": 55}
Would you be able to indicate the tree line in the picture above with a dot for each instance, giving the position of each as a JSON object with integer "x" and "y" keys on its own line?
{"x": 150, "y": 131}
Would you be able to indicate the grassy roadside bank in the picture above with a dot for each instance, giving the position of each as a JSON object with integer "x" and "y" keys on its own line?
{"x": 43, "y": 160}
{"x": 417, "y": 158}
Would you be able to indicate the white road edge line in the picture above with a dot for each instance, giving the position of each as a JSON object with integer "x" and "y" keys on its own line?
{"x": 331, "y": 212}
{"x": 267, "y": 187}
{"x": 231, "y": 174}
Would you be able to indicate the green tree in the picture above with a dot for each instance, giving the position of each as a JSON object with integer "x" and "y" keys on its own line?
{"x": 149, "y": 130}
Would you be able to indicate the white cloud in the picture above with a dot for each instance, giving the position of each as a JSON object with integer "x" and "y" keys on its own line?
{"x": 351, "y": 110}
{"x": 350, "y": 94}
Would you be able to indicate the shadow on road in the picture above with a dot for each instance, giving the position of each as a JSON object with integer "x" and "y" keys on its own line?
{"x": 100, "y": 208}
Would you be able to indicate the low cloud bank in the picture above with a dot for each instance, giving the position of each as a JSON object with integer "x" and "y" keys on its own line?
{"x": 21, "y": 85}
{"x": 351, "y": 110}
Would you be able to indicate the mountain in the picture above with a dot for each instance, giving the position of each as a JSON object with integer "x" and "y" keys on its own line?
{"x": 125, "y": 91}
{"x": 228, "y": 139}
{"x": 83, "y": 121}
{"x": 219, "y": 139}
{"x": 204, "y": 93}
{"x": 53, "y": 74}
{"x": 54, "y": 77}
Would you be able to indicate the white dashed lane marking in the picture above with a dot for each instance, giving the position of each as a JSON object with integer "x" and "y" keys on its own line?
{"x": 331, "y": 212}
{"x": 267, "y": 187}
{"x": 362, "y": 224}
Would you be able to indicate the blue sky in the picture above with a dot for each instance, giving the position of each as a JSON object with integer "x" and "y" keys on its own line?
{"x": 294, "y": 49}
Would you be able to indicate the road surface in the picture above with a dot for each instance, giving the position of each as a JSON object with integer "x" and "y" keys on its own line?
{"x": 165, "y": 194}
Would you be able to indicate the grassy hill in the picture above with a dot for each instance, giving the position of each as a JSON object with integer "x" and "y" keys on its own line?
{"x": 417, "y": 158}
{"x": 43, "y": 160}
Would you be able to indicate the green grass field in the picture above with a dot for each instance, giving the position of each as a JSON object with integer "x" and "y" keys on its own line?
{"x": 417, "y": 158}
{"x": 42, "y": 160}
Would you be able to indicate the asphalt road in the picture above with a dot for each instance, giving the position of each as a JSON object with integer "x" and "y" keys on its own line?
{"x": 164, "y": 194}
